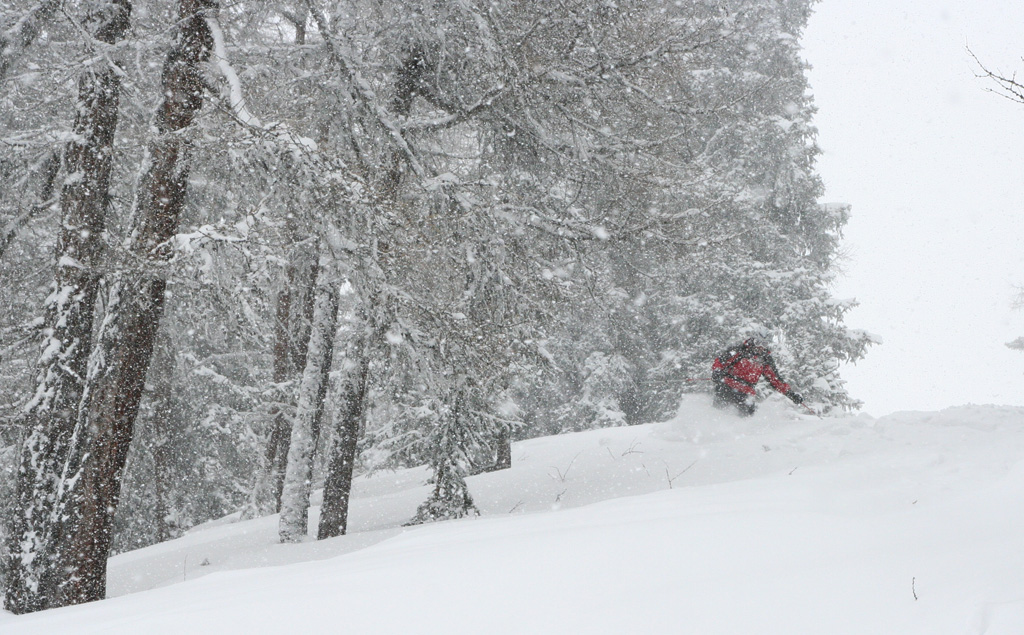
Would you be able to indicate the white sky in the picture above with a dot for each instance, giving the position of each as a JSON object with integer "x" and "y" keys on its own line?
{"x": 933, "y": 165}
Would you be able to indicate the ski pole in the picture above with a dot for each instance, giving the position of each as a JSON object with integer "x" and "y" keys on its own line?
{"x": 812, "y": 411}
{"x": 697, "y": 379}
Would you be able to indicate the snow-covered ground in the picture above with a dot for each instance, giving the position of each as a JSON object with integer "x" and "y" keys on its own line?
{"x": 907, "y": 524}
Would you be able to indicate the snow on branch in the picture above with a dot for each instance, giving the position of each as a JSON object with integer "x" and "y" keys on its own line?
{"x": 342, "y": 54}
{"x": 298, "y": 146}
{"x": 216, "y": 232}
{"x": 25, "y": 30}
{"x": 293, "y": 142}
{"x": 539, "y": 219}
{"x": 11, "y": 228}
{"x": 455, "y": 116}
{"x": 492, "y": 49}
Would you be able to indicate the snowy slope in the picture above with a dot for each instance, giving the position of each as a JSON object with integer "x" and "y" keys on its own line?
{"x": 906, "y": 524}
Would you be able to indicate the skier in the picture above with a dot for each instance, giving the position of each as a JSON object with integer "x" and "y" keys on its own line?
{"x": 737, "y": 370}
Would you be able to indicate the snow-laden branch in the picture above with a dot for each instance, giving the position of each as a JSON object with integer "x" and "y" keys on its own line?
{"x": 22, "y": 33}
{"x": 11, "y": 228}
{"x": 493, "y": 51}
{"x": 295, "y": 143}
{"x": 50, "y": 167}
{"x": 455, "y": 116}
{"x": 205, "y": 369}
{"x": 537, "y": 218}
{"x": 238, "y": 232}
{"x": 342, "y": 54}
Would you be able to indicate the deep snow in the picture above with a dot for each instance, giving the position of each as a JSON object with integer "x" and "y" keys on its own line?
{"x": 910, "y": 523}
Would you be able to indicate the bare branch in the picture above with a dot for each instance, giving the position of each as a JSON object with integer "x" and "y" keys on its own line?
{"x": 671, "y": 479}
{"x": 562, "y": 475}
{"x": 1008, "y": 86}
{"x": 19, "y": 37}
{"x": 50, "y": 166}
{"x": 342, "y": 54}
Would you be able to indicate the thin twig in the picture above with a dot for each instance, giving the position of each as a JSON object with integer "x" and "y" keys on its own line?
{"x": 563, "y": 475}
{"x": 632, "y": 448}
{"x": 671, "y": 479}
{"x": 1011, "y": 87}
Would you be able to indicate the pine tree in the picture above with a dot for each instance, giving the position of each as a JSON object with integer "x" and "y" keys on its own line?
{"x": 452, "y": 441}
{"x": 732, "y": 233}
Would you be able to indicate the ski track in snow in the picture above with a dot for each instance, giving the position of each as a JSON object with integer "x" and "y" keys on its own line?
{"x": 706, "y": 523}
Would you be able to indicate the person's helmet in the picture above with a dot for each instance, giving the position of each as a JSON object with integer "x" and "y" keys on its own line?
{"x": 758, "y": 335}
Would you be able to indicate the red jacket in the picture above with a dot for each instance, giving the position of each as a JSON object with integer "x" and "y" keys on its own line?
{"x": 742, "y": 366}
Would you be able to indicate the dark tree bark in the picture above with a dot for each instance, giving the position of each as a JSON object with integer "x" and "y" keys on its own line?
{"x": 338, "y": 483}
{"x": 118, "y": 366}
{"x": 295, "y": 496}
{"x": 69, "y": 325}
{"x": 161, "y": 378}
{"x": 503, "y": 458}
{"x": 294, "y": 314}
{"x": 407, "y": 81}
{"x": 273, "y": 470}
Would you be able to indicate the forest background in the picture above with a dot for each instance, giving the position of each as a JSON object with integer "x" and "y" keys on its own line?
{"x": 250, "y": 249}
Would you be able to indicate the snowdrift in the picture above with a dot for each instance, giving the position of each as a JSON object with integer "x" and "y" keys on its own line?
{"x": 706, "y": 523}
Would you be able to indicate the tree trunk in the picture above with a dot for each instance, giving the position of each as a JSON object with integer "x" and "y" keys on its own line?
{"x": 164, "y": 418}
{"x": 69, "y": 324}
{"x": 338, "y": 483}
{"x": 503, "y": 456}
{"x": 117, "y": 369}
{"x": 266, "y": 495}
{"x": 299, "y": 473}
{"x": 295, "y": 314}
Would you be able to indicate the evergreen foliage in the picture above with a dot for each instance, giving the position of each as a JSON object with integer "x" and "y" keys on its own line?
{"x": 547, "y": 216}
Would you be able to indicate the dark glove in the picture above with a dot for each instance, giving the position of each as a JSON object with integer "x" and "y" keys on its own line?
{"x": 795, "y": 398}
{"x": 716, "y": 375}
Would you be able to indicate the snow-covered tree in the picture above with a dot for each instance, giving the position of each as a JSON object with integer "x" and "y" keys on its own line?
{"x": 91, "y": 477}
{"x": 347, "y": 429}
{"x": 68, "y": 324}
{"x": 548, "y": 217}
{"x": 728, "y": 230}
{"x": 305, "y": 430}
{"x": 452, "y": 441}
